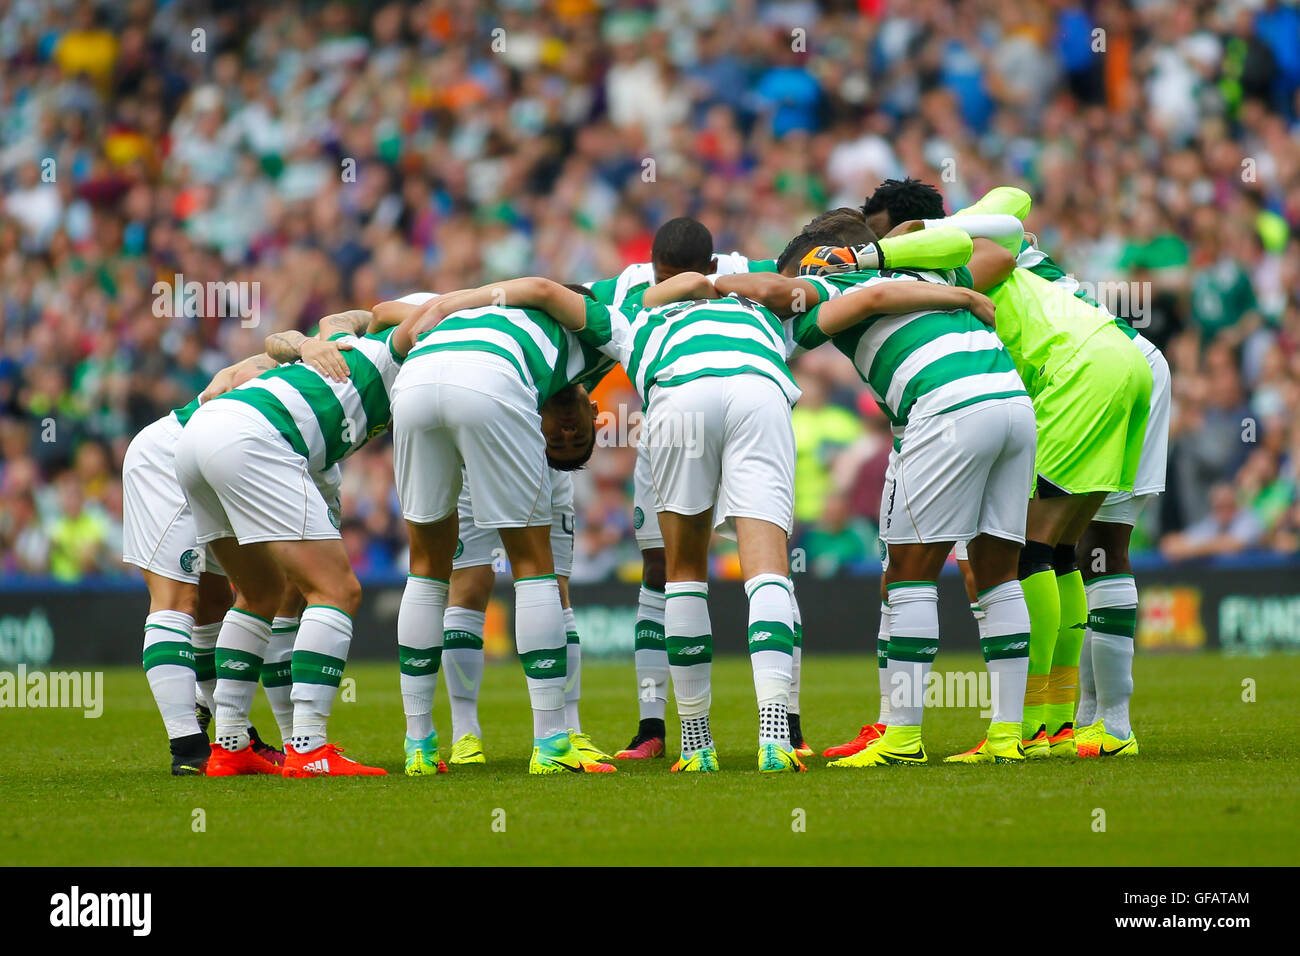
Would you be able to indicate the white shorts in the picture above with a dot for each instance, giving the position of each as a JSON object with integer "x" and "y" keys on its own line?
{"x": 243, "y": 480}
{"x": 479, "y": 546}
{"x": 724, "y": 440}
{"x": 157, "y": 524}
{"x": 1124, "y": 507}
{"x": 962, "y": 474}
{"x": 471, "y": 409}
{"x": 645, "y": 516}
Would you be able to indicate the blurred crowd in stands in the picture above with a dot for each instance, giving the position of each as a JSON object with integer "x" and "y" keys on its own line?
{"x": 332, "y": 155}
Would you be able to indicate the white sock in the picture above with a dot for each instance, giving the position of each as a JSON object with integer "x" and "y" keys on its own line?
{"x": 771, "y": 647}
{"x": 981, "y": 619}
{"x": 882, "y": 662}
{"x": 319, "y": 657}
{"x": 796, "y": 664}
{"x": 462, "y": 659}
{"x": 241, "y": 647}
{"x": 419, "y": 650}
{"x": 277, "y": 673}
{"x": 651, "y": 655}
{"x": 1086, "y": 710}
{"x": 169, "y": 665}
{"x": 913, "y": 643}
{"x": 204, "y": 640}
{"x": 688, "y": 635}
{"x": 573, "y": 667}
{"x": 1004, "y": 639}
{"x": 540, "y": 640}
{"x": 1112, "y": 616}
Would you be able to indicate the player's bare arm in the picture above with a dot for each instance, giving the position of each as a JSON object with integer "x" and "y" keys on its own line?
{"x": 387, "y": 314}
{"x": 566, "y": 306}
{"x": 324, "y": 357}
{"x": 232, "y": 376}
{"x": 683, "y": 287}
{"x": 352, "y": 322}
{"x": 846, "y": 311}
{"x": 989, "y": 264}
{"x": 783, "y": 295}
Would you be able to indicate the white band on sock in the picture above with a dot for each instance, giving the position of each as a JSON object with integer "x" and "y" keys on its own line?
{"x": 686, "y": 616}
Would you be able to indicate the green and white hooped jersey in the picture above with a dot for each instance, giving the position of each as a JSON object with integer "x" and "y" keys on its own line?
{"x": 1044, "y": 266}
{"x": 546, "y": 355}
{"x": 917, "y": 363}
{"x": 681, "y": 341}
{"x": 323, "y": 420}
{"x": 636, "y": 278}
{"x": 186, "y": 411}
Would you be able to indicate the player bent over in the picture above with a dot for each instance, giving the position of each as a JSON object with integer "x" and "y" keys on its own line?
{"x": 964, "y": 432}
{"x": 188, "y": 594}
{"x": 258, "y": 466}
{"x": 1091, "y": 390}
{"x": 188, "y": 591}
{"x": 680, "y": 245}
{"x": 472, "y": 578}
{"x": 496, "y": 388}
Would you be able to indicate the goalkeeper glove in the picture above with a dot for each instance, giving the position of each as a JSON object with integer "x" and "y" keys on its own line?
{"x": 828, "y": 259}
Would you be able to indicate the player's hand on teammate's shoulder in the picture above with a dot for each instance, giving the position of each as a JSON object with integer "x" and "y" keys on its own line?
{"x": 327, "y": 358}
{"x": 981, "y": 307}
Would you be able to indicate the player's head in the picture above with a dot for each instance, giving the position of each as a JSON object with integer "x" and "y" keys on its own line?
{"x": 839, "y": 227}
{"x": 569, "y": 427}
{"x": 569, "y": 419}
{"x": 682, "y": 245}
{"x": 901, "y": 200}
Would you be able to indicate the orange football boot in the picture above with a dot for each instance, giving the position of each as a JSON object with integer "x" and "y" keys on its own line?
{"x": 866, "y": 736}
{"x": 236, "y": 763}
{"x": 327, "y": 760}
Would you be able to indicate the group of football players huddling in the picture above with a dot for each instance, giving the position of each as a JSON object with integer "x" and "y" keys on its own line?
{"x": 1029, "y": 424}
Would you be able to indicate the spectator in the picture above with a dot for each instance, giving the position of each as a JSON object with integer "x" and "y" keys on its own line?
{"x": 1227, "y": 529}
{"x": 340, "y": 154}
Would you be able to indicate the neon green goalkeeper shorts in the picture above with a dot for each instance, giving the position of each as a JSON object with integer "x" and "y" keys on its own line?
{"x": 1092, "y": 416}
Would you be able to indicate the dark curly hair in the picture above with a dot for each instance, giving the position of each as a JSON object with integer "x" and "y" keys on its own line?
{"x": 903, "y": 200}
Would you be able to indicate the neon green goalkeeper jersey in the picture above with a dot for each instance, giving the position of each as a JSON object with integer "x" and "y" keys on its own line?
{"x": 916, "y": 363}
{"x": 1045, "y": 267}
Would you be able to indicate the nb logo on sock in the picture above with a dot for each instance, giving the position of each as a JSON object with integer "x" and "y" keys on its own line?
{"x": 692, "y": 650}
{"x": 420, "y": 662}
{"x": 236, "y": 665}
{"x": 759, "y": 636}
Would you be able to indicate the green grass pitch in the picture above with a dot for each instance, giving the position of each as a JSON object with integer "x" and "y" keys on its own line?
{"x": 1216, "y": 784}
